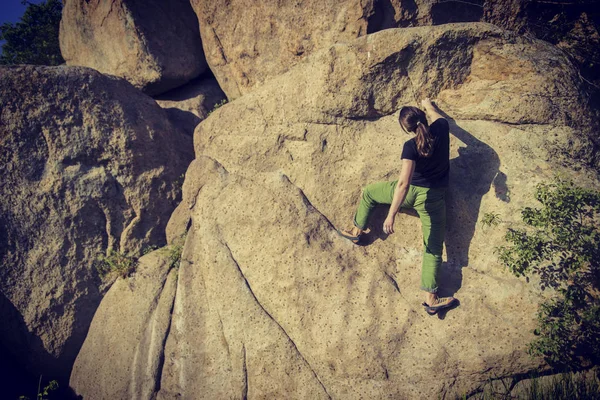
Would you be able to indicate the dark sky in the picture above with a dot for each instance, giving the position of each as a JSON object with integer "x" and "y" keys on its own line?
{"x": 12, "y": 10}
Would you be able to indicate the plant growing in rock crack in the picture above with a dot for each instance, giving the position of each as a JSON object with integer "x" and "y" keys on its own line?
{"x": 490, "y": 219}
{"x": 175, "y": 252}
{"x": 115, "y": 263}
{"x": 149, "y": 249}
{"x": 43, "y": 393}
{"x": 561, "y": 244}
{"x": 178, "y": 183}
{"x": 217, "y": 106}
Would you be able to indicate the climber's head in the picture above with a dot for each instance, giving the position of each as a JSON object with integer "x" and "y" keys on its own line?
{"x": 413, "y": 119}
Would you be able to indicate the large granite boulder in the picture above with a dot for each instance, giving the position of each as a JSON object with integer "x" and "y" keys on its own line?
{"x": 155, "y": 45}
{"x": 271, "y": 303}
{"x": 87, "y": 163}
{"x": 247, "y": 44}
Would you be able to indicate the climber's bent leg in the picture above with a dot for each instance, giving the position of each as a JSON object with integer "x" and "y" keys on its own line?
{"x": 373, "y": 194}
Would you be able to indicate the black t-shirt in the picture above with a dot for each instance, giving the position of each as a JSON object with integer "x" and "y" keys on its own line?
{"x": 432, "y": 171}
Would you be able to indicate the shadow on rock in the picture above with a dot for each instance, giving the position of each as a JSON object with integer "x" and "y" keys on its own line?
{"x": 376, "y": 219}
{"x": 15, "y": 341}
{"x": 186, "y": 120}
{"x": 442, "y": 313}
{"x": 472, "y": 175}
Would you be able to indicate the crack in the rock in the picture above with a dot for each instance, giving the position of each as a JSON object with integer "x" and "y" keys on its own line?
{"x": 393, "y": 281}
{"x": 108, "y": 13}
{"x": 154, "y": 307}
{"x": 308, "y": 203}
{"x": 245, "y": 370}
{"x": 220, "y": 45}
{"x": 161, "y": 356}
{"x": 273, "y": 319}
{"x": 224, "y": 337}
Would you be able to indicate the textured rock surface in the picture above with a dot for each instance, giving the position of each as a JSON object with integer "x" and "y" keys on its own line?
{"x": 138, "y": 310}
{"x": 191, "y": 103}
{"x": 154, "y": 45}
{"x": 87, "y": 163}
{"x": 246, "y": 44}
{"x": 271, "y": 303}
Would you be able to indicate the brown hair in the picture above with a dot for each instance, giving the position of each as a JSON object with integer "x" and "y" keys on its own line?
{"x": 413, "y": 119}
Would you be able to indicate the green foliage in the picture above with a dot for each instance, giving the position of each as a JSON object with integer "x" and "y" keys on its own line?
{"x": 217, "y": 106}
{"x": 43, "y": 393}
{"x": 149, "y": 249}
{"x": 561, "y": 244}
{"x": 175, "y": 252}
{"x": 179, "y": 182}
{"x": 576, "y": 386}
{"x": 491, "y": 219}
{"x": 115, "y": 263}
{"x": 33, "y": 40}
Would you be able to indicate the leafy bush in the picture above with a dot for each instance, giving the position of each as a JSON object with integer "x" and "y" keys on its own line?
{"x": 116, "y": 263}
{"x": 561, "y": 244}
{"x": 33, "y": 40}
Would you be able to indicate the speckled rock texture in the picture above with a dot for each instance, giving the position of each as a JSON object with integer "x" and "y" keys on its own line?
{"x": 155, "y": 45}
{"x": 271, "y": 303}
{"x": 139, "y": 312}
{"x": 248, "y": 43}
{"x": 191, "y": 103}
{"x": 87, "y": 163}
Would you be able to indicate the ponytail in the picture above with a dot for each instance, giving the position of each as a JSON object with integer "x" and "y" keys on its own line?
{"x": 424, "y": 140}
{"x": 413, "y": 119}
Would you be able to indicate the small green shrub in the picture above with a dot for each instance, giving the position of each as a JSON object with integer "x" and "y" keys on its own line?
{"x": 491, "y": 219}
{"x": 149, "y": 249}
{"x": 175, "y": 252}
{"x": 115, "y": 263}
{"x": 43, "y": 393}
{"x": 178, "y": 183}
{"x": 217, "y": 106}
{"x": 561, "y": 244}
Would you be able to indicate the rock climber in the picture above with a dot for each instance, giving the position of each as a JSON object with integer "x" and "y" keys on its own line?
{"x": 421, "y": 186}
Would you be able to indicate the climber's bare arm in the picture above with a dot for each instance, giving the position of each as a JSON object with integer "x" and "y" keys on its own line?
{"x": 431, "y": 110}
{"x": 408, "y": 167}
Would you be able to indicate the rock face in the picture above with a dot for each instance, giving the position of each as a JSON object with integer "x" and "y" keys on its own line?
{"x": 191, "y": 103}
{"x": 142, "y": 329}
{"x": 154, "y": 45}
{"x": 271, "y": 303}
{"x": 246, "y": 45}
{"x": 87, "y": 163}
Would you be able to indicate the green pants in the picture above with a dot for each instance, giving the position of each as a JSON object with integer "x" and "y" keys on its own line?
{"x": 430, "y": 204}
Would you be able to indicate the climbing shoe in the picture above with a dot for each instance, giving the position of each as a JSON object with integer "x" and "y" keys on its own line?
{"x": 353, "y": 234}
{"x": 439, "y": 304}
